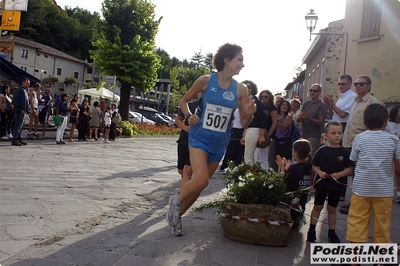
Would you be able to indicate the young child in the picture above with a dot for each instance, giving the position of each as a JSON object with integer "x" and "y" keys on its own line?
{"x": 107, "y": 123}
{"x": 330, "y": 163}
{"x": 373, "y": 182}
{"x": 298, "y": 174}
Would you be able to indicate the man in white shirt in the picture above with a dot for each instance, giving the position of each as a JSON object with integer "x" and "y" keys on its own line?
{"x": 341, "y": 110}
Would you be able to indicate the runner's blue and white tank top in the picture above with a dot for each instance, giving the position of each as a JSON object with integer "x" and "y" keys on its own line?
{"x": 215, "y": 109}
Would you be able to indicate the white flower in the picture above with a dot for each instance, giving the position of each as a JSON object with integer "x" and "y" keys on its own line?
{"x": 223, "y": 192}
{"x": 270, "y": 186}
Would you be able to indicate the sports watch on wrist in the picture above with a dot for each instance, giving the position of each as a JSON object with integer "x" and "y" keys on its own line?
{"x": 187, "y": 116}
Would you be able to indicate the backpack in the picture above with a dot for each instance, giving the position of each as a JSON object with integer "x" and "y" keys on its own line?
{"x": 116, "y": 119}
{"x": 294, "y": 133}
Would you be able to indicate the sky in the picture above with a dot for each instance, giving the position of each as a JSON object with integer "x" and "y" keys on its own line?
{"x": 273, "y": 34}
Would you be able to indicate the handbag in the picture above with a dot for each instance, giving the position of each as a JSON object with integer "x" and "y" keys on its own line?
{"x": 266, "y": 143}
{"x": 58, "y": 120}
{"x": 10, "y": 107}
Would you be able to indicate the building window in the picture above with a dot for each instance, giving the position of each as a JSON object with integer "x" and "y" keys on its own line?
{"x": 24, "y": 53}
{"x": 24, "y": 68}
{"x": 76, "y": 75}
{"x": 58, "y": 71}
{"x": 89, "y": 70}
{"x": 45, "y": 56}
{"x": 371, "y": 18}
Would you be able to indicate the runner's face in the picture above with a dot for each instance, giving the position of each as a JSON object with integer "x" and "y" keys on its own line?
{"x": 236, "y": 64}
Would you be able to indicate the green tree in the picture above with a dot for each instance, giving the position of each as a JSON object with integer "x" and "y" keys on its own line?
{"x": 198, "y": 59}
{"x": 182, "y": 78}
{"x": 126, "y": 46}
{"x": 208, "y": 61}
{"x": 166, "y": 64}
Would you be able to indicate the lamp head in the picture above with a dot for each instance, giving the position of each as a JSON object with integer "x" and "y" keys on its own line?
{"x": 311, "y": 20}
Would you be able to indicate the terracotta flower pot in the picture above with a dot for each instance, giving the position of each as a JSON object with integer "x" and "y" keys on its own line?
{"x": 260, "y": 224}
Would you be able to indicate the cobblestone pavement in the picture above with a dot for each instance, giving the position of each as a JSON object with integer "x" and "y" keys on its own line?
{"x": 91, "y": 203}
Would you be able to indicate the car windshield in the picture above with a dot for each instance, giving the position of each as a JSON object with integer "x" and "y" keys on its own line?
{"x": 165, "y": 117}
{"x": 138, "y": 114}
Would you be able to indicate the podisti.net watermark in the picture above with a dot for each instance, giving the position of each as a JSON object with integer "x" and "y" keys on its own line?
{"x": 353, "y": 253}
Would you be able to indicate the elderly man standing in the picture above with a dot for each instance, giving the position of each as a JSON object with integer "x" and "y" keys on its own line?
{"x": 21, "y": 108}
{"x": 312, "y": 116}
{"x": 355, "y": 123}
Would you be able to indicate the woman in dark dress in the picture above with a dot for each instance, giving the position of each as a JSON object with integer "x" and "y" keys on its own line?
{"x": 83, "y": 119}
{"x": 73, "y": 119}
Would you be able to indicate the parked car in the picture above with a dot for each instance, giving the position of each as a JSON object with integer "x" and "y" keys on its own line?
{"x": 168, "y": 118}
{"x": 147, "y": 112}
{"x": 137, "y": 118}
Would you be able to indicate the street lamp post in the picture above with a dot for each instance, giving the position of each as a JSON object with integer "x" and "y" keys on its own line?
{"x": 311, "y": 21}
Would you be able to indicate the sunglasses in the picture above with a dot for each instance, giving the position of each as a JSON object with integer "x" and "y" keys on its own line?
{"x": 361, "y": 84}
{"x": 264, "y": 97}
{"x": 343, "y": 84}
{"x": 314, "y": 91}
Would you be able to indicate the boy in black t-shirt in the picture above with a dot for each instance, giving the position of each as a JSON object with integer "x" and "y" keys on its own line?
{"x": 331, "y": 163}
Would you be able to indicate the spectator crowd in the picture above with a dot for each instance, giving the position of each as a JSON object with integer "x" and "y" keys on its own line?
{"x": 321, "y": 143}
{"x": 42, "y": 108}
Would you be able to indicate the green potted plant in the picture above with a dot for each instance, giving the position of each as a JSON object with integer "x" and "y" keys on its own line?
{"x": 253, "y": 206}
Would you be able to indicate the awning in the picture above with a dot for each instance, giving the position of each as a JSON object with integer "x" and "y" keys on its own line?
{"x": 14, "y": 73}
{"x": 102, "y": 92}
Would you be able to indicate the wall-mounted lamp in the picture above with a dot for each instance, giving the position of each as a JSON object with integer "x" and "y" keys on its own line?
{"x": 311, "y": 21}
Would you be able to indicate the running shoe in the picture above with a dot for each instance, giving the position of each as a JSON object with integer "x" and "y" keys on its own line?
{"x": 172, "y": 215}
{"x": 178, "y": 229}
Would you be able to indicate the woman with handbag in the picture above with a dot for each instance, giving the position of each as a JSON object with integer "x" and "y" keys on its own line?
{"x": 62, "y": 110}
{"x": 254, "y": 134}
{"x": 7, "y": 113}
{"x": 267, "y": 100}
{"x": 83, "y": 119}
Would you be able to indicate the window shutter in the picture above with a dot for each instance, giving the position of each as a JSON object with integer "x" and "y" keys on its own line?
{"x": 371, "y": 18}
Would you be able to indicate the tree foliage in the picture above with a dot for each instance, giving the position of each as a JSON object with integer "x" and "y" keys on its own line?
{"x": 182, "y": 78}
{"x": 126, "y": 46}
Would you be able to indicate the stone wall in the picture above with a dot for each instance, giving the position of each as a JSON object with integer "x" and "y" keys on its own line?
{"x": 335, "y": 57}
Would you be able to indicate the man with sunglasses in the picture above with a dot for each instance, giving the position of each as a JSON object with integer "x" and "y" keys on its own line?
{"x": 312, "y": 116}
{"x": 355, "y": 123}
{"x": 341, "y": 110}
